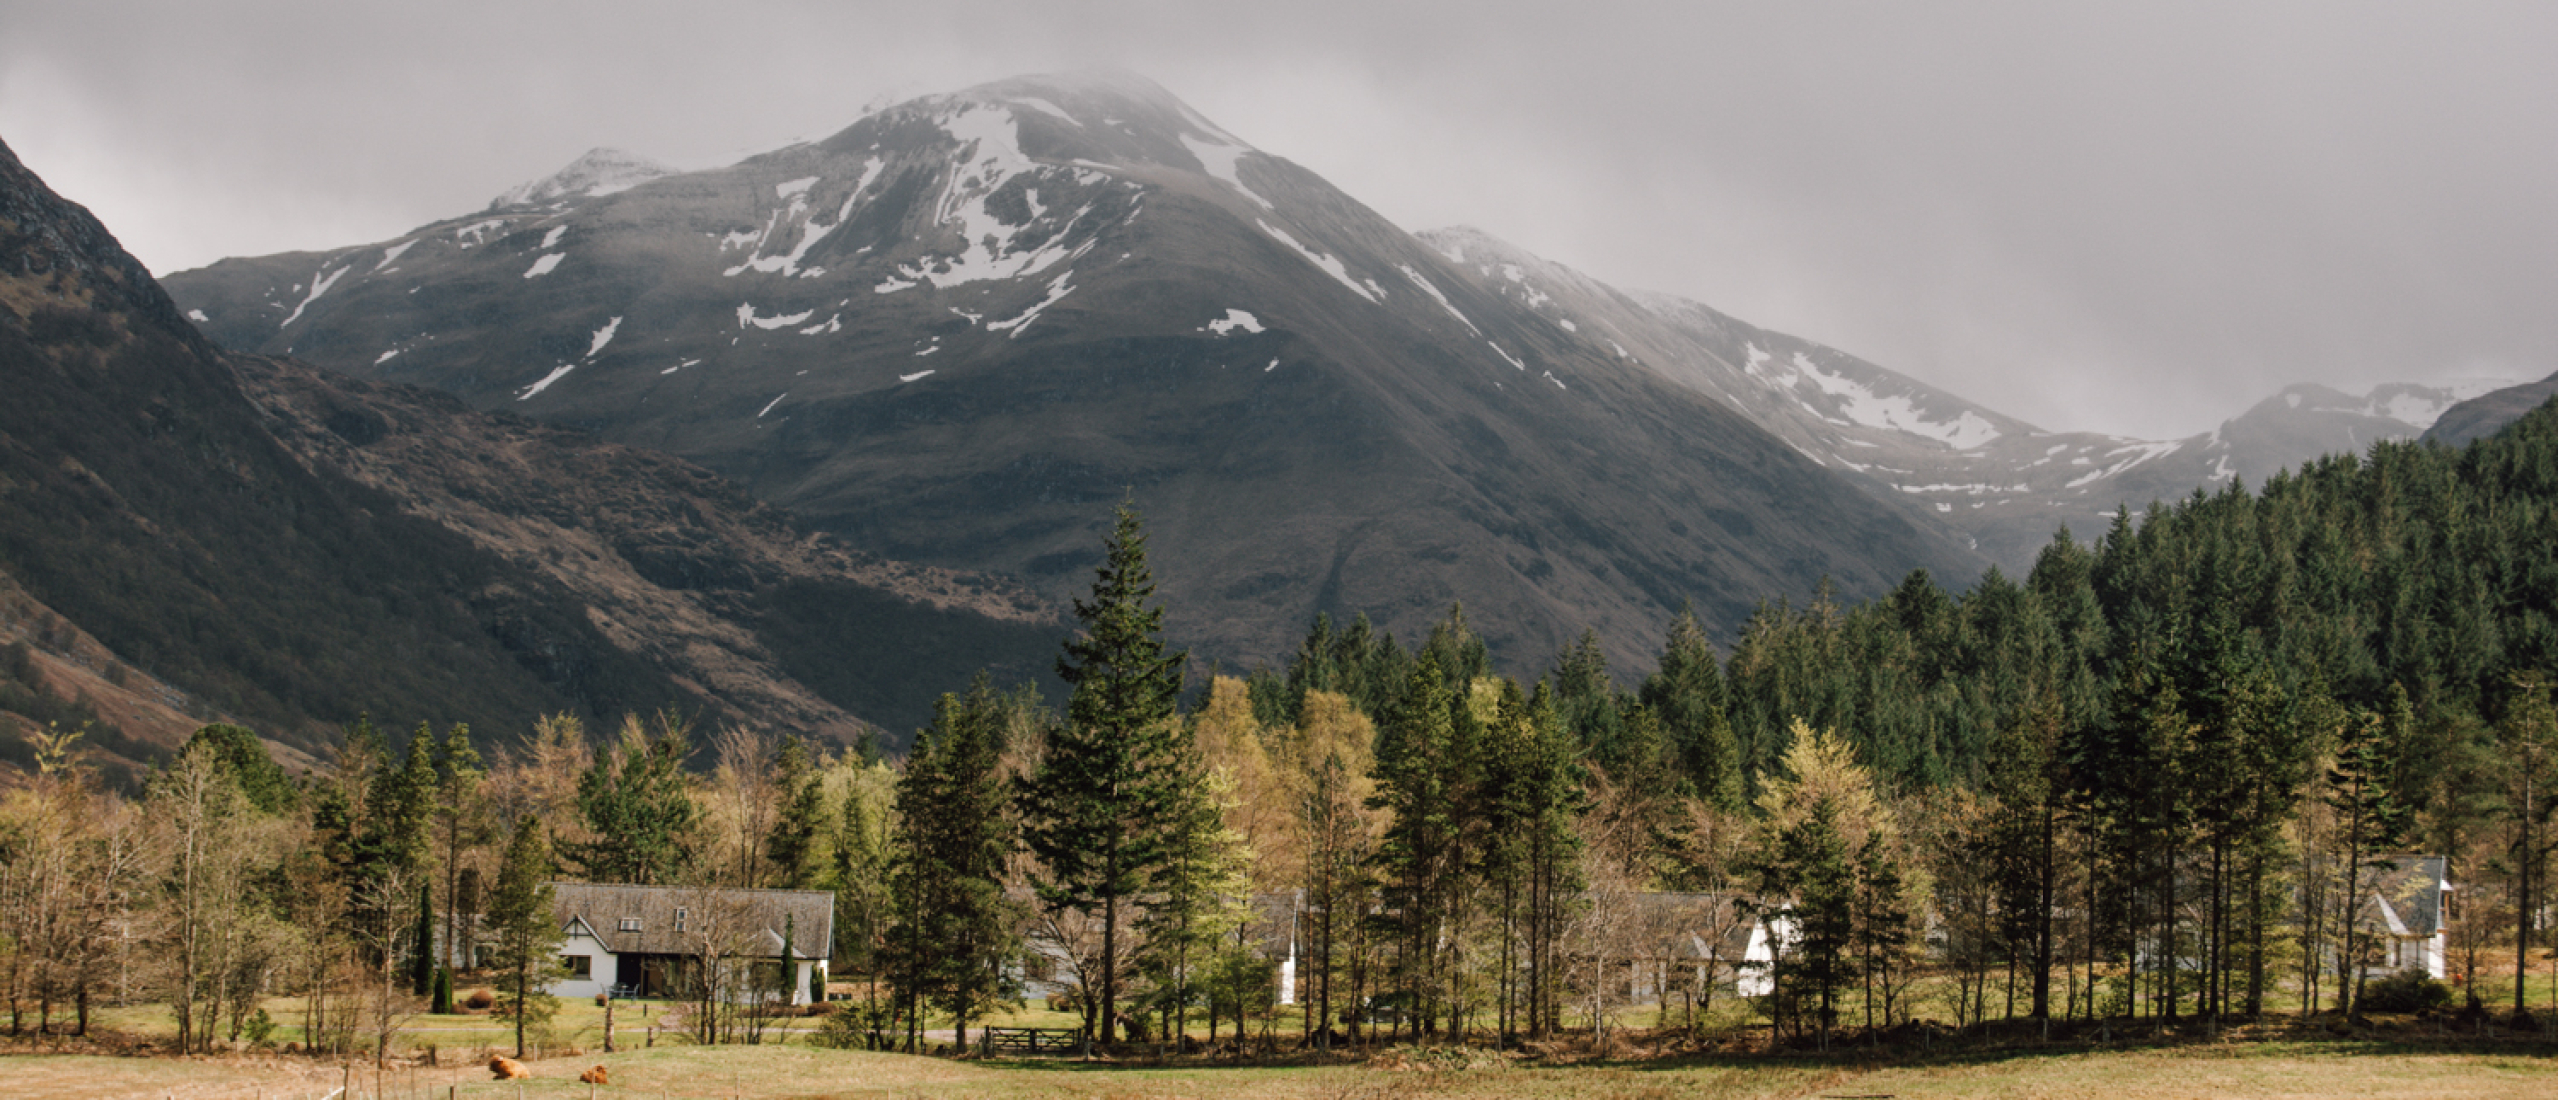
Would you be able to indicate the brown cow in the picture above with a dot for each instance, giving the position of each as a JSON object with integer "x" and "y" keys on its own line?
{"x": 504, "y": 1068}
{"x": 594, "y": 1076}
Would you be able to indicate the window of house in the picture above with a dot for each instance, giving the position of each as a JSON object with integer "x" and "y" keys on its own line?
{"x": 679, "y": 920}
{"x": 631, "y": 924}
{"x": 579, "y": 966}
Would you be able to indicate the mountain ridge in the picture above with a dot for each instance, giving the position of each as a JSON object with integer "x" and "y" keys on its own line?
{"x": 961, "y": 328}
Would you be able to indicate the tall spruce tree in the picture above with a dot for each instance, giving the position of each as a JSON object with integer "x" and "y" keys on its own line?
{"x": 522, "y": 920}
{"x": 792, "y": 845}
{"x": 1095, "y": 811}
{"x": 1686, "y": 695}
{"x": 2369, "y": 819}
{"x": 2529, "y": 739}
{"x": 951, "y": 847}
{"x": 1421, "y": 788}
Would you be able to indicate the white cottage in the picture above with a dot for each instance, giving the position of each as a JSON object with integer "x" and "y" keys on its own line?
{"x": 648, "y": 941}
{"x": 2409, "y": 910}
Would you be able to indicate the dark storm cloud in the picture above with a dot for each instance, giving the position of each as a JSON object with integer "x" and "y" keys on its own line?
{"x": 2136, "y": 219}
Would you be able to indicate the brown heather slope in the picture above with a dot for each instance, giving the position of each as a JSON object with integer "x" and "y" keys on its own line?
{"x": 667, "y": 558}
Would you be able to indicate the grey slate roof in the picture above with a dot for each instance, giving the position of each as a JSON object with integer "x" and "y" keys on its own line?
{"x": 2406, "y": 893}
{"x": 753, "y": 920}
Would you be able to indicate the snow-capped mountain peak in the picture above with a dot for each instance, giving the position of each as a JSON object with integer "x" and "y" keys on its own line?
{"x": 601, "y": 171}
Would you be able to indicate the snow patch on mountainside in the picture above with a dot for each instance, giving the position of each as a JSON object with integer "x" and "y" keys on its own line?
{"x": 1219, "y": 160}
{"x": 544, "y": 265}
{"x": 746, "y": 315}
{"x": 1435, "y": 296}
{"x": 1235, "y": 319}
{"x": 320, "y": 285}
{"x": 603, "y": 336}
{"x": 811, "y": 230}
{"x": 993, "y": 157}
{"x": 1863, "y": 406}
{"x": 556, "y": 374}
{"x": 473, "y": 233}
{"x": 1057, "y": 289}
{"x": 1037, "y": 104}
{"x": 1328, "y": 265}
{"x": 598, "y": 173}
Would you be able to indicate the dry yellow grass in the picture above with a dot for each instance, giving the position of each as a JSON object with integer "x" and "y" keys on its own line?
{"x": 2267, "y": 1070}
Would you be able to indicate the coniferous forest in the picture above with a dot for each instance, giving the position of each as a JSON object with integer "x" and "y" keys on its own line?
{"x": 2179, "y": 775}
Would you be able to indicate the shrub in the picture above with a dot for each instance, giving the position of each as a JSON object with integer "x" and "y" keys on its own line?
{"x": 260, "y": 1029}
{"x": 2406, "y": 991}
{"x": 481, "y": 999}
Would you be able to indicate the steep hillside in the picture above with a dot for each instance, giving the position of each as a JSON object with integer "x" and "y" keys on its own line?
{"x": 289, "y": 548}
{"x": 728, "y": 597}
{"x": 964, "y": 327}
{"x": 2489, "y": 413}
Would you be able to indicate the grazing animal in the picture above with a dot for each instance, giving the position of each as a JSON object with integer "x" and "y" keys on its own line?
{"x": 504, "y": 1068}
{"x": 594, "y": 1076}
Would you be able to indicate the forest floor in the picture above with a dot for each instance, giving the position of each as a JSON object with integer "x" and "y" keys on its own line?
{"x": 2363, "y": 1068}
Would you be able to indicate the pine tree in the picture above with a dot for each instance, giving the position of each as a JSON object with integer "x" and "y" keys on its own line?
{"x": 792, "y": 846}
{"x": 638, "y": 803}
{"x": 523, "y": 920}
{"x": 1686, "y": 695}
{"x": 461, "y": 825}
{"x": 2529, "y": 740}
{"x": 1886, "y": 921}
{"x": 2369, "y": 820}
{"x": 1199, "y": 890}
{"x": 1421, "y": 789}
{"x": 859, "y": 876}
{"x": 1812, "y": 864}
{"x": 422, "y": 943}
{"x": 955, "y": 930}
{"x": 1094, "y": 813}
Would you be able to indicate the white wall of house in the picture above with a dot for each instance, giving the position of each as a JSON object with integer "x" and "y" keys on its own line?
{"x": 1755, "y": 977}
{"x": 600, "y": 971}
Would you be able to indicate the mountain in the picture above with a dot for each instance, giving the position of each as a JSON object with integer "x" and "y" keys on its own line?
{"x": 2003, "y": 484}
{"x": 219, "y": 535}
{"x": 600, "y": 172}
{"x": 962, "y": 329}
{"x": 2488, "y": 413}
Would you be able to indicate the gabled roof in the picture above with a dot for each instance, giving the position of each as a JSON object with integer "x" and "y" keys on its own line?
{"x": 751, "y": 922}
{"x": 2406, "y": 893}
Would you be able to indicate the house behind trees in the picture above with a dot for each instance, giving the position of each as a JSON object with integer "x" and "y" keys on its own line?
{"x": 653, "y": 941}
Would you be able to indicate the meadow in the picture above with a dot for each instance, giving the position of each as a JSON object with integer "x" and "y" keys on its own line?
{"x": 2358, "y": 1068}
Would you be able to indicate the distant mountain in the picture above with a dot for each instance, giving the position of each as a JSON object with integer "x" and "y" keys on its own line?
{"x": 600, "y": 172}
{"x": 2003, "y": 484}
{"x": 289, "y": 548}
{"x": 2488, "y": 413}
{"x": 961, "y": 330}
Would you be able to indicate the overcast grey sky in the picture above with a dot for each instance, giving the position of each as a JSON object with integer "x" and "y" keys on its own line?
{"x": 2135, "y": 218}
